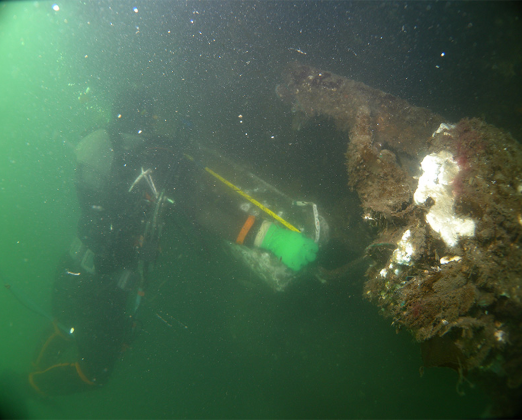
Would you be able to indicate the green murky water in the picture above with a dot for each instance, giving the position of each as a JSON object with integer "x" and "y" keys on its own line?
{"x": 315, "y": 350}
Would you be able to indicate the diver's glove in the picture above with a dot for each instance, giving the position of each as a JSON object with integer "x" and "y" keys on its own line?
{"x": 293, "y": 248}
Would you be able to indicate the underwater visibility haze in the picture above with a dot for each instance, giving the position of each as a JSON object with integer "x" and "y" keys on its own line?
{"x": 288, "y": 93}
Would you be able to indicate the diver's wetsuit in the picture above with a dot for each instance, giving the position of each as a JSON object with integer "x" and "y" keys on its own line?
{"x": 87, "y": 300}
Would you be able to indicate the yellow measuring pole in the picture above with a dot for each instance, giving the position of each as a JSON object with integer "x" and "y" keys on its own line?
{"x": 246, "y": 196}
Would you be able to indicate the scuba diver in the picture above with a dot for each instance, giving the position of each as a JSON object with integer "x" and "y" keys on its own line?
{"x": 130, "y": 182}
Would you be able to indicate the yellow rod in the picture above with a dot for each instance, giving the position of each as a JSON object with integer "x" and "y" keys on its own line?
{"x": 246, "y": 196}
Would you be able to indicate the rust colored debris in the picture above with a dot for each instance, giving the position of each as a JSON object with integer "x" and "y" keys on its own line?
{"x": 461, "y": 300}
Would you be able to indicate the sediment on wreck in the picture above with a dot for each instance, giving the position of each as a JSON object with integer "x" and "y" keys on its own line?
{"x": 448, "y": 253}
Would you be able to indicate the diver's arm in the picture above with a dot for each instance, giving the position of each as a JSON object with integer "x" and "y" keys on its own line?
{"x": 217, "y": 211}
{"x": 293, "y": 248}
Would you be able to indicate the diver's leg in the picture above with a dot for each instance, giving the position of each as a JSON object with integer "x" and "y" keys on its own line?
{"x": 81, "y": 354}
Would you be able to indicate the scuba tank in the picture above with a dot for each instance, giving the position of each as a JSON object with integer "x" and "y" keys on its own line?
{"x": 257, "y": 197}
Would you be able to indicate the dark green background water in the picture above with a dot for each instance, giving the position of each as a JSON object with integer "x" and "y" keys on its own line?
{"x": 315, "y": 350}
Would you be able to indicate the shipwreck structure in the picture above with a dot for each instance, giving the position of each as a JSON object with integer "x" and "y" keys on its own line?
{"x": 446, "y": 201}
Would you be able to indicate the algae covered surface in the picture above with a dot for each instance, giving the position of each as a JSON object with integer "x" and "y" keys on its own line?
{"x": 446, "y": 203}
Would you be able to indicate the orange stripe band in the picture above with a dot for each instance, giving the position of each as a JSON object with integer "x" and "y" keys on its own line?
{"x": 245, "y": 229}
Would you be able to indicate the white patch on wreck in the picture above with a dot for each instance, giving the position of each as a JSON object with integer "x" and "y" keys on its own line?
{"x": 404, "y": 251}
{"x": 439, "y": 170}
